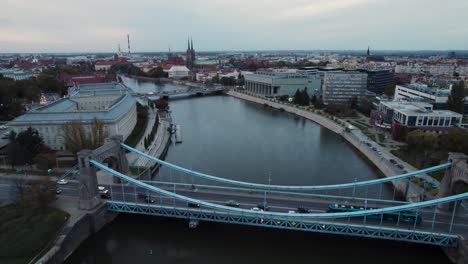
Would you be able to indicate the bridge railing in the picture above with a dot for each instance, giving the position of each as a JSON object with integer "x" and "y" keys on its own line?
{"x": 352, "y": 185}
{"x": 436, "y": 222}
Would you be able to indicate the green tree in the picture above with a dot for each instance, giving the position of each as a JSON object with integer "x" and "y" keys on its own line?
{"x": 30, "y": 144}
{"x": 314, "y": 99}
{"x": 420, "y": 141}
{"x": 157, "y": 72}
{"x": 365, "y": 106}
{"x": 456, "y": 98}
{"x": 305, "y": 98}
{"x": 48, "y": 83}
{"x": 318, "y": 103}
{"x": 390, "y": 90}
{"x": 297, "y": 97}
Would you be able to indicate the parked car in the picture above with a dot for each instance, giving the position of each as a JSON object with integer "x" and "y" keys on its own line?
{"x": 400, "y": 166}
{"x": 393, "y": 161}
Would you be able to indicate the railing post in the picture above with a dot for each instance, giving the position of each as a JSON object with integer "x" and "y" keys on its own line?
{"x": 453, "y": 215}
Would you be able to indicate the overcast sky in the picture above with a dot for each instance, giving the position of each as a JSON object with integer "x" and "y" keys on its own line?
{"x": 156, "y": 25}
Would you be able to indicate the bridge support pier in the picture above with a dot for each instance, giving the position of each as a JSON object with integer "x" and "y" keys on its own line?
{"x": 88, "y": 194}
{"x": 457, "y": 173}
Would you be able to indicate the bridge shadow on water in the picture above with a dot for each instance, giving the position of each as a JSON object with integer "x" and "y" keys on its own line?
{"x": 146, "y": 239}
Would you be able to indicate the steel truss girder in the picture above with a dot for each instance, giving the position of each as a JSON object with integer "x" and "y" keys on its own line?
{"x": 438, "y": 239}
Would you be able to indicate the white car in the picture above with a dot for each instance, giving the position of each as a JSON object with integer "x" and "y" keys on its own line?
{"x": 291, "y": 212}
{"x": 62, "y": 182}
{"x": 3, "y": 127}
{"x": 257, "y": 209}
{"x": 101, "y": 188}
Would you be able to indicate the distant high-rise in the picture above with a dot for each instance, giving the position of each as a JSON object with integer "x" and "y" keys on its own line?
{"x": 190, "y": 54}
{"x": 128, "y": 40}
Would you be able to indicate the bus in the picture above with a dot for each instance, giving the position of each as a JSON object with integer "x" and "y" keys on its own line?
{"x": 405, "y": 216}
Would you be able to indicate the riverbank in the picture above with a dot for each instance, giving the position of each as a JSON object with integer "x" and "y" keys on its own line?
{"x": 351, "y": 134}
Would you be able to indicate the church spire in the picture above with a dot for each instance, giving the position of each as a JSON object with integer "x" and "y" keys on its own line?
{"x": 368, "y": 50}
{"x": 188, "y": 43}
{"x": 191, "y": 42}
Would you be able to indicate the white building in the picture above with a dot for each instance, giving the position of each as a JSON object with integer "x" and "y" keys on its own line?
{"x": 419, "y": 115}
{"x": 281, "y": 83}
{"x": 15, "y": 74}
{"x": 178, "y": 72}
{"x": 339, "y": 87}
{"x": 116, "y": 110}
{"x": 437, "y": 97}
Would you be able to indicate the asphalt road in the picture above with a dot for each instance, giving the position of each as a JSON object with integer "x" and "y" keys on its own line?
{"x": 276, "y": 203}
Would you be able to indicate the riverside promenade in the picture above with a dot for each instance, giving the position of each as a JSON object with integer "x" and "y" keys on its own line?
{"x": 355, "y": 137}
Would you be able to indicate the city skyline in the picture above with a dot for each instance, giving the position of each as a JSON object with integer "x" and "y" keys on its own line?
{"x": 87, "y": 26}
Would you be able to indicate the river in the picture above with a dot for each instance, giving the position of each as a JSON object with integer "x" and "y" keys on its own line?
{"x": 231, "y": 138}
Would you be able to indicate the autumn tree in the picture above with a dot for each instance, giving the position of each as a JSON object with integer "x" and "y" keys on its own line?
{"x": 76, "y": 138}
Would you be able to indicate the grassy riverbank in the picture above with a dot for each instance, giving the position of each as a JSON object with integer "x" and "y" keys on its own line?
{"x": 140, "y": 127}
{"x": 24, "y": 236}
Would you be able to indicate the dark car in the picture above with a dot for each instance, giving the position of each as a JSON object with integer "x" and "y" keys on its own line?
{"x": 58, "y": 191}
{"x": 302, "y": 210}
{"x": 263, "y": 206}
{"x": 193, "y": 205}
{"x": 400, "y": 166}
{"x": 393, "y": 161}
{"x": 232, "y": 203}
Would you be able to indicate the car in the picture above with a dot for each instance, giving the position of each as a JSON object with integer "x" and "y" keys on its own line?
{"x": 256, "y": 209}
{"x": 374, "y": 148}
{"x": 193, "y": 205}
{"x": 291, "y": 212}
{"x": 58, "y": 191}
{"x": 5, "y": 137}
{"x": 263, "y": 206}
{"x": 62, "y": 182}
{"x": 379, "y": 152}
{"x": 3, "y": 127}
{"x": 400, "y": 166}
{"x": 101, "y": 188}
{"x": 232, "y": 203}
{"x": 302, "y": 210}
{"x": 393, "y": 161}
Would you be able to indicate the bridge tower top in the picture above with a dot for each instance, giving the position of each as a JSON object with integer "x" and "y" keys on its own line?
{"x": 455, "y": 179}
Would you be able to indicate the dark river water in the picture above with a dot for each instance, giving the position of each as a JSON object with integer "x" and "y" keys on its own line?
{"x": 234, "y": 139}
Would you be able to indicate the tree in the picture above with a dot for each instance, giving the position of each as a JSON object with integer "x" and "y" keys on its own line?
{"x": 157, "y": 72}
{"x": 297, "y": 96}
{"x": 318, "y": 103}
{"x": 76, "y": 138}
{"x": 456, "y": 98}
{"x": 30, "y": 144}
{"x": 305, "y": 97}
{"x": 314, "y": 99}
{"x": 365, "y": 106}
{"x": 420, "y": 141}
{"x": 390, "y": 90}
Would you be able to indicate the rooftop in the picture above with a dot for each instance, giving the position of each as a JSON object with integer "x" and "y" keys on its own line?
{"x": 417, "y": 108}
{"x": 426, "y": 89}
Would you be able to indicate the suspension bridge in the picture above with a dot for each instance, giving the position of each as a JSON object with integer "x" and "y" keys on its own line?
{"x": 356, "y": 209}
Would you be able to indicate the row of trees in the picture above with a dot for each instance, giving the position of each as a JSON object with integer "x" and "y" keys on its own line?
{"x": 77, "y": 138}
{"x": 32, "y": 197}
{"x": 431, "y": 148}
{"x": 149, "y": 139}
{"x": 301, "y": 97}
{"x": 130, "y": 69}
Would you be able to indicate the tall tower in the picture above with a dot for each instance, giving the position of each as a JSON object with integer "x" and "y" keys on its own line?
{"x": 192, "y": 51}
{"x": 188, "y": 56}
{"x": 368, "y": 50}
{"x": 128, "y": 41}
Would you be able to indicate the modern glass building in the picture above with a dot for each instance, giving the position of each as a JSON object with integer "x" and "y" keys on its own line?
{"x": 339, "y": 87}
{"x": 271, "y": 83}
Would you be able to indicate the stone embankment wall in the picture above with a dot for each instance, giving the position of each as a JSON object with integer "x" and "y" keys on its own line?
{"x": 75, "y": 233}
